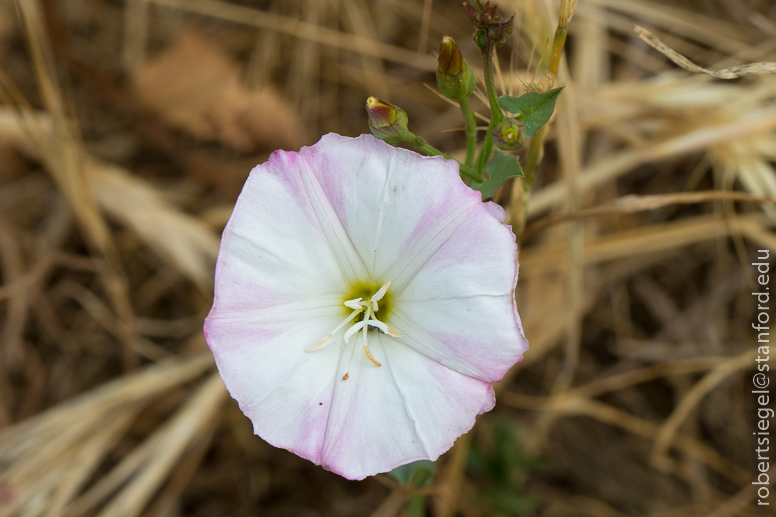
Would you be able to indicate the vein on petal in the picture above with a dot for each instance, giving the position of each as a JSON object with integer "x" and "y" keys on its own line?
{"x": 350, "y": 262}
{"x": 353, "y": 386}
{"x": 411, "y": 261}
{"x": 407, "y": 408}
{"x": 413, "y": 342}
{"x": 383, "y": 204}
{"x": 463, "y": 297}
{"x": 296, "y": 306}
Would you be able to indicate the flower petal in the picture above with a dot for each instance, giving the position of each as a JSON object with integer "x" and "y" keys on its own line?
{"x": 277, "y": 246}
{"x": 284, "y": 390}
{"x": 459, "y": 308}
{"x": 410, "y": 408}
{"x": 397, "y": 206}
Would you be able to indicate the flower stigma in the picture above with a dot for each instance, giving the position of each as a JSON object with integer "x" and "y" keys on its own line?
{"x": 369, "y": 309}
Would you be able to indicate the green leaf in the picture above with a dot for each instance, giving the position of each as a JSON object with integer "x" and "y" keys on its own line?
{"x": 500, "y": 169}
{"x": 415, "y": 475}
{"x": 534, "y": 108}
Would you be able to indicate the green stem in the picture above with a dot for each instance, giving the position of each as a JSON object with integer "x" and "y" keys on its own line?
{"x": 422, "y": 146}
{"x": 470, "y": 123}
{"x": 536, "y": 152}
{"x": 495, "y": 110}
{"x": 417, "y": 506}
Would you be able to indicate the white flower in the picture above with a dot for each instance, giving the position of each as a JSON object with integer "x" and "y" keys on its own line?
{"x": 364, "y": 304}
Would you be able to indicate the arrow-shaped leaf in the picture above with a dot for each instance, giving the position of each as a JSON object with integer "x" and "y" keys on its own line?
{"x": 500, "y": 169}
{"x": 534, "y": 109}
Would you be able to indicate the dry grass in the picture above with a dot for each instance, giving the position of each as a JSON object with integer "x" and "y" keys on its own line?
{"x": 120, "y": 160}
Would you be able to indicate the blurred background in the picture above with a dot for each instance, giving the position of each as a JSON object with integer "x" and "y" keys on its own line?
{"x": 127, "y": 128}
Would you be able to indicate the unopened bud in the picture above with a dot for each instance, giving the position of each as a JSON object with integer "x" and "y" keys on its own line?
{"x": 509, "y": 135}
{"x": 386, "y": 121}
{"x": 501, "y": 31}
{"x": 455, "y": 77}
{"x": 490, "y": 26}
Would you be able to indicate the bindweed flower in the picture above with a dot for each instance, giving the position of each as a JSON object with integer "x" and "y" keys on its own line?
{"x": 364, "y": 304}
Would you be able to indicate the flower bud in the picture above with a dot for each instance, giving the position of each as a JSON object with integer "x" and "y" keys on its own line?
{"x": 501, "y": 31}
{"x": 386, "y": 121}
{"x": 509, "y": 135}
{"x": 455, "y": 77}
{"x": 490, "y": 26}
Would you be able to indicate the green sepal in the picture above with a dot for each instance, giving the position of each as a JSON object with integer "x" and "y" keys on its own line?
{"x": 457, "y": 87}
{"x": 418, "y": 474}
{"x": 533, "y": 109}
{"x": 500, "y": 169}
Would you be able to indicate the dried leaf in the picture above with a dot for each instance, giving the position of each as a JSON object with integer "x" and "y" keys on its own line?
{"x": 197, "y": 88}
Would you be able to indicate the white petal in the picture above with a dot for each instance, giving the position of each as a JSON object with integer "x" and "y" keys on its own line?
{"x": 459, "y": 307}
{"x": 410, "y": 408}
{"x": 397, "y": 207}
{"x": 275, "y": 249}
{"x": 285, "y": 391}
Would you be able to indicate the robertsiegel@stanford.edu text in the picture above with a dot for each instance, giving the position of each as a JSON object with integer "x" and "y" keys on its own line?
{"x": 761, "y": 379}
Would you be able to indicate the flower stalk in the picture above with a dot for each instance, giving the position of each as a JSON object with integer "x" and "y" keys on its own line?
{"x": 492, "y": 32}
{"x": 470, "y": 125}
{"x": 456, "y": 81}
{"x": 495, "y": 110}
{"x": 388, "y": 122}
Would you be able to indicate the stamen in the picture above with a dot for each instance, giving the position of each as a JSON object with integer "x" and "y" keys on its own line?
{"x": 381, "y": 292}
{"x": 320, "y": 344}
{"x": 359, "y": 305}
{"x": 348, "y": 319}
{"x": 368, "y": 354}
{"x": 325, "y": 341}
{"x": 392, "y": 332}
{"x": 354, "y": 304}
{"x": 355, "y": 328}
{"x": 379, "y": 324}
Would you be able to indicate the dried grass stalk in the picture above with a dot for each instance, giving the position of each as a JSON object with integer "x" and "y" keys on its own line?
{"x": 733, "y": 72}
{"x": 187, "y": 243}
{"x": 47, "y": 459}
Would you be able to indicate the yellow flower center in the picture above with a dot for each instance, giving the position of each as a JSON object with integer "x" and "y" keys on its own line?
{"x": 365, "y": 314}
